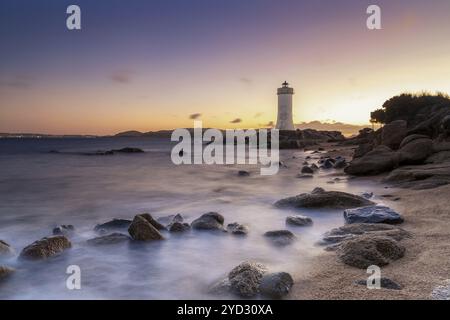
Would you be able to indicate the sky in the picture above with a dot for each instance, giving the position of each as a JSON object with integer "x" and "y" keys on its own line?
{"x": 150, "y": 65}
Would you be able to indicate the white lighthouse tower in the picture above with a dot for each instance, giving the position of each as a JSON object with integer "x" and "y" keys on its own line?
{"x": 284, "y": 119}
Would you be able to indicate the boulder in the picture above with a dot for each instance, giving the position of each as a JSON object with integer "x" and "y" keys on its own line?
{"x": 320, "y": 198}
{"x": 366, "y": 250}
{"x": 6, "y": 250}
{"x": 411, "y": 138}
{"x": 379, "y": 160}
{"x": 445, "y": 124}
{"x": 340, "y": 164}
{"x": 115, "y": 224}
{"x": 416, "y": 151}
{"x": 45, "y": 248}
{"x": 276, "y": 285}
{"x": 246, "y": 278}
{"x": 420, "y": 177}
{"x": 280, "y": 237}
{"x": 372, "y": 214}
{"x": 243, "y": 173}
{"x": 63, "y": 230}
{"x": 385, "y": 283}
{"x": 113, "y": 238}
{"x": 439, "y": 157}
{"x": 140, "y": 229}
{"x": 5, "y": 271}
{"x": 238, "y": 229}
{"x": 299, "y": 220}
{"x": 179, "y": 226}
{"x": 209, "y": 221}
{"x": 128, "y": 150}
{"x": 328, "y": 164}
{"x": 307, "y": 170}
{"x": 167, "y": 220}
{"x": 153, "y": 222}
{"x": 221, "y": 287}
{"x": 362, "y": 149}
{"x": 393, "y": 133}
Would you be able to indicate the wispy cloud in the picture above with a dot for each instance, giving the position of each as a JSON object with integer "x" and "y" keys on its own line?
{"x": 18, "y": 82}
{"x": 259, "y": 114}
{"x": 121, "y": 77}
{"x": 195, "y": 116}
{"x": 246, "y": 80}
{"x": 237, "y": 120}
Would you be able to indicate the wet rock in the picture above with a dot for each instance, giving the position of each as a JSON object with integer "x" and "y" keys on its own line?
{"x": 153, "y": 222}
{"x": 238, "y": 229}
{"x": 314, "y": 167}
{"x": 45, "y": 248}
{"x": 340, "y": 164}
{"x": 179, "y": 226}
{"x": 328, "y": 164}
{"x": 167, "y": 220}
{"x": 128, "y": 150}
{"x": 6, "y": 250}
{"x": 208, "y": 221}
{"x": 372, "y": 214}
{"x": 276, "y": 285}
{"x": 246, "y": 278}
{"x": 115, "y": 224}
{"x": 305, "y": 176}
{"x": 416, "y": 151}
{"x": 319, "y": 198}
{"x": 5, "y": 271}
{"x": 367, "y": 195}
{"x": 379, "y": 160}
{"x": 385, "y": 283}
{"x": 141, "y": 230}
{"x": 306, "y": 169}
{"x": 64, "y": 230}
{"x": 113, "y": 238}
{"x": 366, "y": 250}
{"x": 393, "y": 133}
{"x": 243, "y": 173}
{"x": 299, "y": 220}
{"x": 280, "y": 237}
{"x": 350, "y": 231}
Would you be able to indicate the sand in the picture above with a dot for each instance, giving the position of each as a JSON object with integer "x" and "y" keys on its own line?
{"x": 425, "y": 265}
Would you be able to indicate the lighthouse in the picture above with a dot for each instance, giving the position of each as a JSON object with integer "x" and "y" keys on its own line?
{"x": 284, "y": 119}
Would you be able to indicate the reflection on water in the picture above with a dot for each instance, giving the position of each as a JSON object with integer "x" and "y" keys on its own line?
{"x": 39, "y": 190}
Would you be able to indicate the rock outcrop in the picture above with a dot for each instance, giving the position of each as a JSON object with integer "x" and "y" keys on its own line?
{"x": 45, "y": 248}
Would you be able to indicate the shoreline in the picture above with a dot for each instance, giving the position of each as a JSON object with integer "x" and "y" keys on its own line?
{"x": 424, "y": 266}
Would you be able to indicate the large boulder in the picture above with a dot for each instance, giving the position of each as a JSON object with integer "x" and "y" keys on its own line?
{"x": 411, "y": 138}
{"x": 366, "y": 250}
{"x": 142, "y": 230}
{"x": 372, "y": 214}
{"x": 209, "y": 221}
{"x": 299, "y": 220}
{"x": 45, "y": 248}
{"x": 379, "y": 160}
{"x": 393, "y": 133}
{"x": 320, "y": 198}
{"x": 276, "y": 285}
{"x": 113, "y": 238}
{"x": 245, "y": 278}
{"x": 5, "y": 249}
{"x": 416, "y": 151}
{"x": 280, "y": 237}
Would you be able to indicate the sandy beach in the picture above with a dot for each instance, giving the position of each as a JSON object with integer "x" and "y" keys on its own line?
{"x": 424, "y": 266}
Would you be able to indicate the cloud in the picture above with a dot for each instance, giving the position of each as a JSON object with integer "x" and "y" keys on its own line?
{"x": 122, "y": 77}
{"x": 245, "y": 80}
{"x": 195, "y": 116}
{"x": 18, "y": 82}
{"x": 237, "y": 120}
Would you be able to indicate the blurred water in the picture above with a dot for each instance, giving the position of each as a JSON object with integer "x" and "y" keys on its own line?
{"x": 39, "y": 190}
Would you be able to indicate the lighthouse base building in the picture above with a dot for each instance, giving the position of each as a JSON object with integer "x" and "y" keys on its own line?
{"x": 284, "y": 118}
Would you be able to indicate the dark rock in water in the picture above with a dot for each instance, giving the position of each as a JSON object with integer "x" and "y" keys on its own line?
{"x": 153, "y": 222}
{"x": 328, "y": 164}
{"x": 113, "y": 238}
{"x": 128, "y": 150}
{"x": 303, "y": 176}
{"x": 6, "y": 250}
{"x": 167, "y": 220}
{"x": 179, "y": 226}
{"x": 299, "y": 220}
{"x": 45, "y": 248}
{"x": 208, "y": 221}
{"x": 385, "y": 283}
{"x": 350, "y": 231}
{"x": 238, "y": 229}
{"x": 366, "y": 250}
{"x": 306, "y": 169}
{"x": 415, "y": 151}
{"x": 280, "y": 237}
{"x": 320, "y": 198}
{"x": 141, "y": 230}
{"x": 340, "y": 164}
{"x": 246, "y": 278}
{"x": 64, "y": 230}
{"x": 367, "y": 195}
{"x": 372, "y": 214}
{"x": 379, "y": 160}
{"x": 393, "y": 133}
{"x": 114, "y": 224}
{"x": 276, "y": 285}
{"x": 314, "y": 167}
{"x": 5, "y": 271}
{"x": 243, "y": 173}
